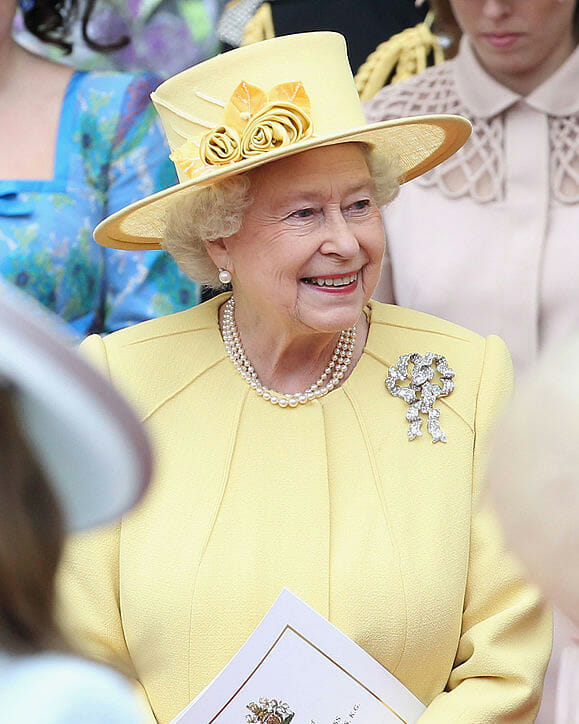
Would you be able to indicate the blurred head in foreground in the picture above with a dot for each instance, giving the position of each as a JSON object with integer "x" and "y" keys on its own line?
{"x": 72, "y": 456}
{"x": 534, "y": 475}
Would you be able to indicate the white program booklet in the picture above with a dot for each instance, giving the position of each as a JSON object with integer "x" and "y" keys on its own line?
{"x": 298, "y": 667}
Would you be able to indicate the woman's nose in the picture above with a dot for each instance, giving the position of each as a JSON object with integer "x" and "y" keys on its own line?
{"x": 339, "y": 238}
{"x": 495, "y": 9}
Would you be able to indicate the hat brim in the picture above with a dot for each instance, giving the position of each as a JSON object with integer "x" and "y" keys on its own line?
{"x": 86, "y": 438}
{"x": 416, "y": 145}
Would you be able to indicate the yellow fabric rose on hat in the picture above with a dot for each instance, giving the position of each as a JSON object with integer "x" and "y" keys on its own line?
{"x": 275, "y": 126}
{"x": 220, "y": 146}
{"x": 268, "y": 121}
{"x": 254, "y": 122}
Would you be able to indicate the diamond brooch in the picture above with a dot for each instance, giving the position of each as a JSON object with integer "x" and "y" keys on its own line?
{"x": 421, "y": 394}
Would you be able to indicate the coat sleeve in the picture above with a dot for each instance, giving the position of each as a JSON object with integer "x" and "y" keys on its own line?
{"x": 505, "y": 640}
{"x": 88, "y": 591}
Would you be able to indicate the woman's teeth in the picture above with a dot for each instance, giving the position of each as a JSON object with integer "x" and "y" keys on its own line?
{"x": 335, "y": 282}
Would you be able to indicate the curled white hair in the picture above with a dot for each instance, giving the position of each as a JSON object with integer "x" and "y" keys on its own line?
{"x": 200, "y": 216}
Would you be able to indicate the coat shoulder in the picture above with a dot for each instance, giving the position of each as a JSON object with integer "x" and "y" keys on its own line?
{"x": 420, "y": 324}
{"x": 154, "y": 359}
{"x": 154, "y": 331}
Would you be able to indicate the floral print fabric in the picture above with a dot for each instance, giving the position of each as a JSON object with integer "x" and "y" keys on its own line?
{"x": 110, "y": 152}
{"x": 167, "y": 36}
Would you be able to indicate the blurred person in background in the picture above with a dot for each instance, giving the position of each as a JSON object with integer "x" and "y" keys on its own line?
{"x": 57, "y": 415}
{"x": 493, "y": 247}
{"x": 74, "y": 147}
{"x": 161, "y": 36}
{"x": 364, "y": 23}
{"x": 386, "y": 41}
{"x": 534, "y": 480}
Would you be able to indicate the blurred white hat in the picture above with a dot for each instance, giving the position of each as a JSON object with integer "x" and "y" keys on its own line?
{"x": 86, "y": 438}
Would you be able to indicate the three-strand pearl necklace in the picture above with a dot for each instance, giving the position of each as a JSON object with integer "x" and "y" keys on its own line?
{"x": 330, "y": 378}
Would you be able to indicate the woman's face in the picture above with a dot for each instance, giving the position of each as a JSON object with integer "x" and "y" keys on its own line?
{"x": 309, "y": 252}
{"x": 518, "y": 39}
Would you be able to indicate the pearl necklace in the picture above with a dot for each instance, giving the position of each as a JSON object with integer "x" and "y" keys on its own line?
{"x": 335, "y": 371}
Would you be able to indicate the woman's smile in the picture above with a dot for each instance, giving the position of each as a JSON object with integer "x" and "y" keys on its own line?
{"x": 333, "y": 283}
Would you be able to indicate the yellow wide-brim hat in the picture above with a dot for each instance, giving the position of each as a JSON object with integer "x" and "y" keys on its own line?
{"x": 266, "y": 101}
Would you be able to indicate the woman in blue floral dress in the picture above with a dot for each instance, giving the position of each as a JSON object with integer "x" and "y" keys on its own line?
{"x": 75, "y": 147}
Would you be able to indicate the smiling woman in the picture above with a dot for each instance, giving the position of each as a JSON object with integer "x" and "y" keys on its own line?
{"x": 284, "y": 454}
{"x": 314, "y": 220}
{"x": 303, "y": 241}
{"x": 217, "y": 211}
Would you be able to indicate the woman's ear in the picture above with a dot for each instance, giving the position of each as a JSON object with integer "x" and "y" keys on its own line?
{"x": 217, "y": 251}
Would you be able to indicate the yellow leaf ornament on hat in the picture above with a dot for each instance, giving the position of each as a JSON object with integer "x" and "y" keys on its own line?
{"x": 255, "y": 122}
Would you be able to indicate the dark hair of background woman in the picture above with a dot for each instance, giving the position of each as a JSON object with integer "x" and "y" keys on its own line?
{"x": 445, "y": 24}
{"x": 31, "y": 538}
{"x": 50, "y": 21}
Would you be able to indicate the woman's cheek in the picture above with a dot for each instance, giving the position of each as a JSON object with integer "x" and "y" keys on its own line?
{"x": 377, "y": 245}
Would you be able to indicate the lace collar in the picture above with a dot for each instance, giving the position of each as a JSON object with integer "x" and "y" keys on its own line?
{"x": 486, "y": 97}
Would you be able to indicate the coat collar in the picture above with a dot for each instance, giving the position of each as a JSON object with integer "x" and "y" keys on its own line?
{"x": 175, "y": 350}
{"x": 485, "y": 97}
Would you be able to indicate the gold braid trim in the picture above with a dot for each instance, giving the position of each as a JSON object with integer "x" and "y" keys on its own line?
{"x": 402, "y": 56}
{"x": 260, "y": 27}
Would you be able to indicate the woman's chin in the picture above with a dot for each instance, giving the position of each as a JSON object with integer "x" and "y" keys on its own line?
{"x": 332, "y": 321}
{"x": 336, "y": 309}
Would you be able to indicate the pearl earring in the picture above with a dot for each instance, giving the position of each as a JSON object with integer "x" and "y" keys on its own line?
{"x": 224, "y": 276}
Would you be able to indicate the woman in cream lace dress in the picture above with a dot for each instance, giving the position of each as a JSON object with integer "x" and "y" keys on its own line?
{"x": 493, "y": 245}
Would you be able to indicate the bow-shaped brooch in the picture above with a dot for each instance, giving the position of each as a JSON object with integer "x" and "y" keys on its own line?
{"x": 421, "y": 394}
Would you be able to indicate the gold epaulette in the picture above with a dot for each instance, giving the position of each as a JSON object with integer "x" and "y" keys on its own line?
{"x": 402, "y": 56}
{"x": 260, "y": 27}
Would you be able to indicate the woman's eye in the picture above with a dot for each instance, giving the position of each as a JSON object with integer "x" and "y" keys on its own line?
{"x": 303, "y": 213}
{"x": 360, "y": 205}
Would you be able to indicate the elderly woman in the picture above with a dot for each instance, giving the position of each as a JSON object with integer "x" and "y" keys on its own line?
{"x": 287, "y": 416}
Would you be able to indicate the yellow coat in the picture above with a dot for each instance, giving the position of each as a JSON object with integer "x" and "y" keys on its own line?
{"x": 381, "y": 535}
